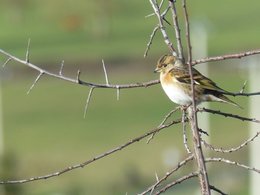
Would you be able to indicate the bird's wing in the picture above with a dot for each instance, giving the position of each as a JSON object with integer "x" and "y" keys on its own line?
{"x": 182, "y": 75}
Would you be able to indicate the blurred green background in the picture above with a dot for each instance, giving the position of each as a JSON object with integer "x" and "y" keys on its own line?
{"x": 45, "y": 131}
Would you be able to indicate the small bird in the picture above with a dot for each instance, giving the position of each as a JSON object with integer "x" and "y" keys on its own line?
{"x": 176, "y": 83}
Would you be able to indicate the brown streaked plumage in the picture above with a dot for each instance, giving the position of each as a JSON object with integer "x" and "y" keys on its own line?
{"x": 176, "y": 82}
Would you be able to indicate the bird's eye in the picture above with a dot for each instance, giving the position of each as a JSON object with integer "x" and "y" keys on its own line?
{"x": 164, "y": 65}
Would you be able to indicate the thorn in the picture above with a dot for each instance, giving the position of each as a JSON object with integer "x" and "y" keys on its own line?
{"x": 243, "y": 87}
{"x": 117, "y": 93}
{"x": 27, "y": 51}
{"x": 88, "y": 100}
{"x": 36, "y": 80}
{"x": 105, "y": 71}
{"x": 61, "y": 67}
{"x": 156, "y": 176}
{"x": 78, "y": 75}
{"x": 6, "y": 62}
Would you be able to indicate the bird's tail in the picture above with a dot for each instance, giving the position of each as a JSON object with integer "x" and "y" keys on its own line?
{"x": 227, "y": 100}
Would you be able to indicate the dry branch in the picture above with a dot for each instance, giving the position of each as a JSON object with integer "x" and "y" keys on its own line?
{"x": 98, "y": 157}
{"x": 169, "y": 173}
{"x": 178, "y": 181}
{"x": 232, "y": 163}
{"x": 231, "y": 149}
{"x": 218, "y": 112}
{"x": 199, "y": 156}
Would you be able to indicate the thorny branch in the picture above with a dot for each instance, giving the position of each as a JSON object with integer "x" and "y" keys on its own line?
{"x": 231, "y": 149}
{"x": 218, "y": 112}
{"x": 198, "y": 153}
{"x": 232, "y": 163}
{"x": 159, "y": 181}
{"x": 98, "y": 157}
{"x": 125, "y": 86}
{"x": 178, "y": 181}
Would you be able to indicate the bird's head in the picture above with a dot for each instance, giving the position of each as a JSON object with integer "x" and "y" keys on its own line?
{"x": 166, "y": 63}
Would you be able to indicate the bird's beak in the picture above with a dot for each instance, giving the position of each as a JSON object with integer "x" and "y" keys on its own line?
{"x": 156, "y": 70}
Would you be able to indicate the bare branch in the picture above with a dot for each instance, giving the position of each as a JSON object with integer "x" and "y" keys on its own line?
{"x": 178, "y": 181}
{"x": 227, "y": 115}
{"x": 227, "y": 56}
{"x": 151, "y": 40}
{"x": 98, "y": 157}
{"x": 177, "y": 30}
{"x": 232, "y": 149}
{"x": 162, "y": 123}
{"x": 105, "y": 71}
{"x": 187, "y": 26}
{"x": 88, "y": 100}
{"x": 169, "y": 115}
{"x": 199, "y": 156}
{"x": 162, "y": 27}
{"x": 217, "y": 190}
{"x": 77, "y": 80}
{"x": 232, "y": 163}
{"x": 169, "y": 173}
{"x": 36, "y": 80}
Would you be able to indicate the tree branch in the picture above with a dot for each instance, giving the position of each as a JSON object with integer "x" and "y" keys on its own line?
{"x": 98, "y": 157}
{"x": 232, "y": 149}
{"x": 218, "y": 112}
{"x": 178, "y": 181}
{"x": 226, "y": 56}
{"x": 159, "y": 181}
{"x": 232, "y": 163}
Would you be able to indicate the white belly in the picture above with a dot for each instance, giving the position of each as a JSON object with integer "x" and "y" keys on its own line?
{"x": 177, "y": 95}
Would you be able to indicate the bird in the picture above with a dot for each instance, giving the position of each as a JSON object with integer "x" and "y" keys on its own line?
{"x": 176, "y": 83}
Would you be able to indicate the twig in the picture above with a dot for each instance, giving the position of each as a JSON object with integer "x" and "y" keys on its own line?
{"x": 161, "y": 26}
{"x": 187, "y": 31}
{"x": 232, "y": 149}
{"x": 6, "y": 62}
{"x": 178, "y": 181}
{"x": 105, "y": 72}
{"x": 169, "y": 173}
{"x": 152, "y": 14}
{"x": 100, "y": 156}
{"x": 162, "y": 123}
{"x": 177, "y": 30}
{"x": 88, "y": 100}
{"x": 217, "y": 190}
{"x": 185, "y": 139}
{"x": 169, "y": 115}
{"x": 227, "y": 115}
{"x": 232, "y": 163}
{"x": 35, "y": 81}
{"x": 150, "y": 40}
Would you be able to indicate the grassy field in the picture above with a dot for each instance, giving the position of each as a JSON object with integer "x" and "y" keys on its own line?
{"x": 45, "y": 131}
